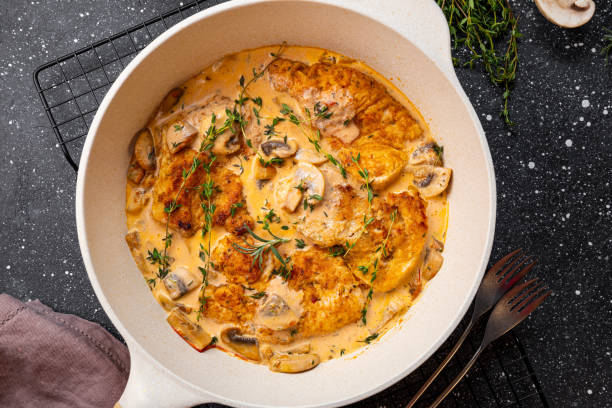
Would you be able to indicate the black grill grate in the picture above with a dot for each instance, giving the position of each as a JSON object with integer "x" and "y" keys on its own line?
{"x": 71, "y": 88}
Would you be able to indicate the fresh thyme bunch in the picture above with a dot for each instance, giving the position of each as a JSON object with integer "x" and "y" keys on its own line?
{"x": 478, "y": 25}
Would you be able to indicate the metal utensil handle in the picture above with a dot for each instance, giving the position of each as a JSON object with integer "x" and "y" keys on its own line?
{"x": 459, "y": 377}
{"x": 443, "y": 364}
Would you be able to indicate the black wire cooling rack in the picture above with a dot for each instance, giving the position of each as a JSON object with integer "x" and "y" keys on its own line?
{"x": 71, "y": 88}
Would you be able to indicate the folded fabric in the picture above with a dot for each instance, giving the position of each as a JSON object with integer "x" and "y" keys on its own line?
{"x": 54, "y": 360}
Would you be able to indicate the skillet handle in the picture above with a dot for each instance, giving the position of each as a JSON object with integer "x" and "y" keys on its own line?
{"x": 406, "y": 17}
{"x": 151, "y": 386}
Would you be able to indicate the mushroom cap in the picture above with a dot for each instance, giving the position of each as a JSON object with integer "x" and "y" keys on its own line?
{"x": 144, "y": 151}
{"x": 567, "y": 13}
{"x": 280, "y": 148}
{"x": 430, "y": 180}
{"x": 311, "y": 178}
{"x": 244, "y": 345}
{"x": 294, "y": 363}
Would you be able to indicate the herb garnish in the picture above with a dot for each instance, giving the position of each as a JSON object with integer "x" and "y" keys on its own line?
{"x": 321, "y": 111}
{"x": 257, "y": 251}
{"x": 258, "y": 295}
{"x": 244, "y": 85}
{"x": 477, "y": 24}
{"x": 370, "y": 338}
{"x": 299, "y": 243}
{"x": 310, "y": 201}
{"x": 607, "y": 48}
{"x": 273, "y": 161}
{"x": 367, "y": 185}
{"x": 314, "y": 137}
{"x": 382, "y": 248}
{"x": 270, "y": 129}
{"x": 234, "y": 207}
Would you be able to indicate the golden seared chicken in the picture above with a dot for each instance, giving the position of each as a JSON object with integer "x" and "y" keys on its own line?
{"x": 236, "y": 266}
{"x": 286, "y": 205}
{"x": 166, "y": 189}
{"x": 230, "y": 209}
{"x": 396, "y": 235}
{"x": 349, "y": 95}
{"x": 229, "y": 303}
{"x": 338, "y": 218}
{"x": 333, "y": 297}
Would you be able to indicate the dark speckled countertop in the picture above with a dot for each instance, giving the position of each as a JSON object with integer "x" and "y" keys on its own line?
{"x": 553, "y": 179}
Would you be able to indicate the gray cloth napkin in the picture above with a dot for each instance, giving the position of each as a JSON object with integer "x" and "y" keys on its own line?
{"x": 54, "y": 360}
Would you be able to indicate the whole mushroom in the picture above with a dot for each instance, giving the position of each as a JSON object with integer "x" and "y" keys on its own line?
{"x": 567, "y": 13}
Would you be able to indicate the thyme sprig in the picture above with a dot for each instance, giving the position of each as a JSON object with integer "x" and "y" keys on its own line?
{"x": 257, "y": 251}
{"x": 206, "y": 196}
{"x": 367, "y": 185}
{"x": 244, "y": 85}
{"x": 314, "y": 137}
{"x": 607, "y": 48}
{"x": 381, "y": 249}
{"x": 478, "y": 25}
{"x": 161, "y": 259}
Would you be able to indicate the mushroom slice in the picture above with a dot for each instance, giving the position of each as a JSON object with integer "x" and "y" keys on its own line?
{"x": 171, "y": 99}
{"x": 136, "y": 200}
{"x": 179, "y": 282}
{"x": 262, "y": 172}
{"x": 168, "y": 304}
{"x": 310, "y": 156}
{"x": 287, "y": 194}
{"x": 135, "y": 173}
{"x": 276, "y": 314}
{"x": 567, "y": 13}
{"x": 307, "y": 182}
{"x": 310, "y": 181}
{"x": 144, "y": 152}
{"x": 227, "y": 143}
{"x": 293, "y": 363}
{"x": 132, "y": 238}
{"x": 179, "y": 134}
{"x": 241, "y": 344}
{"x": 430, "y": 180}
{"x": 432, "y": 263}
{"x": 437, "y": 245}
{"x": 191, "y": 332}
{"x": 428, "y": 153}
{"x": 281, "y": 148}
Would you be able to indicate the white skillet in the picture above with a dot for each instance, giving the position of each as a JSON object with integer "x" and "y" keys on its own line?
{"x": 406, "y": 40}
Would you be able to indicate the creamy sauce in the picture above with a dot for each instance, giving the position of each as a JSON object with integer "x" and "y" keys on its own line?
{"x": 385, "y": 309}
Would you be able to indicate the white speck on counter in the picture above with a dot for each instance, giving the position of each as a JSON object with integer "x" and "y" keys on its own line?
{"x": 489, "y": 117}
{"x": 605, "y": 111}
{"x": 8, "y": 266}
{"x": 586, "y": 103}
{"x": 531, "y": 165}
{"x": 577, "y": 292}
{"x": 568, "y": 142}
{"x": 589, "y": 392}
